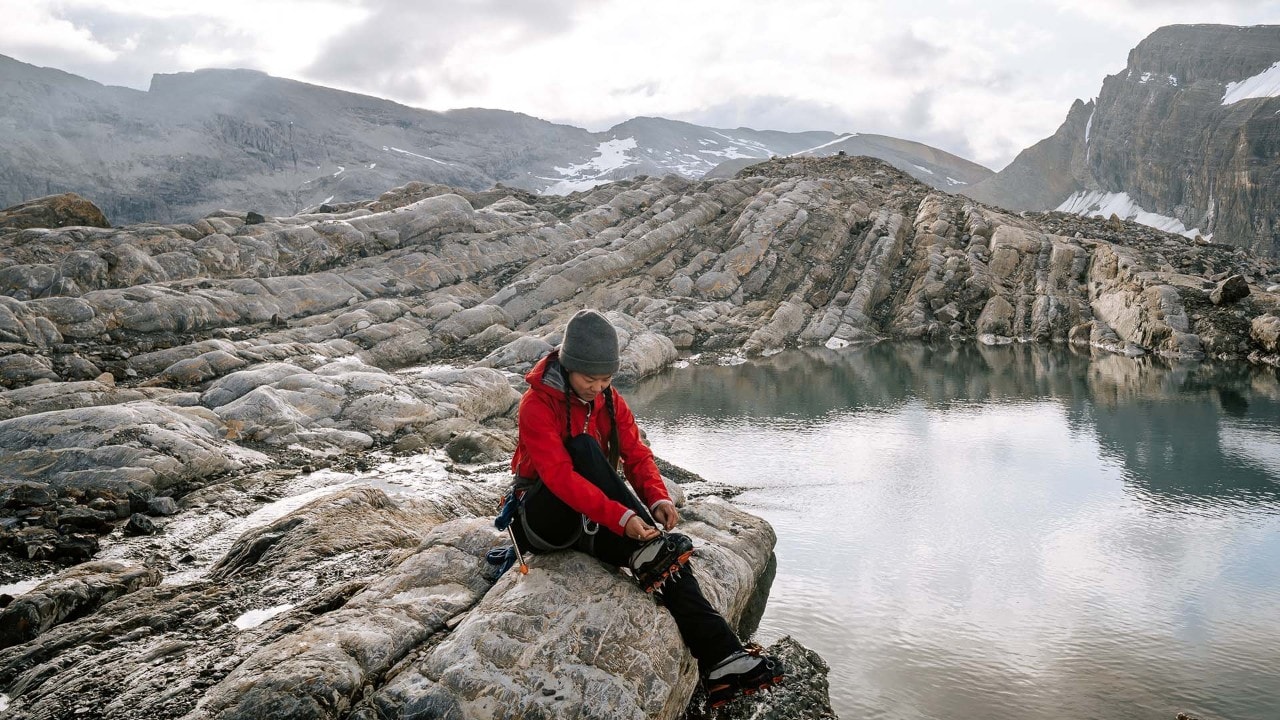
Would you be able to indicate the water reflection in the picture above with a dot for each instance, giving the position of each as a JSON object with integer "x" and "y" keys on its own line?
{"x": 1184, "y": 432}
{"x": 1005, "y": 532}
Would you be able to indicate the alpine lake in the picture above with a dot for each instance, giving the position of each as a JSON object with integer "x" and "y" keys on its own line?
{"x": 1011, "y": 532}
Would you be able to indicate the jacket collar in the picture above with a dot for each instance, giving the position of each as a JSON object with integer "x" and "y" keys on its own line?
{"x": 548, "y": 375}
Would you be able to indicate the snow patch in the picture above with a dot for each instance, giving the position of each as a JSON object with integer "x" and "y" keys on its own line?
{"x": 610, "y": 155}
{"x": 748, "y": 143}
{"x": 732, "y": 153}
{"x": 373, "y": 165}
{"x": 20, "y": 587}
{"x": 328, "y": 199}
{"x": 953, "y": 181}
{"x": 1096, "y": 203}
{"x": 836, "y": 343}
{"x": 1148, "y": 77}
{"x": 414, "y": 154}
{"x": 4, "y": 702}
{"x": 254, "y": 618}
{"x": 340, "y": 171}
{"x": 921, "y": 168}
{"x": 1264, "y": 84}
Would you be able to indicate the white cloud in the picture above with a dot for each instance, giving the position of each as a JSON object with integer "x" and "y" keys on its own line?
{"x": 33, "y": 30}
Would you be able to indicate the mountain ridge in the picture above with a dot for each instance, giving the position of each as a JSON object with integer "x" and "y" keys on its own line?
{"x": 199, "y": 141}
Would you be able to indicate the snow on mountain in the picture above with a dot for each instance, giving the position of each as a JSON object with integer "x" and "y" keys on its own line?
{"x": 1096, "y": 203}
{"x": 1264, "y": 84}
{"x": 610, "y": 155}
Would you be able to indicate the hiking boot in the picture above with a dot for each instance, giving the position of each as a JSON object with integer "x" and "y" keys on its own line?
{"x": 747, "y": 671}
{"x": 659, "y": 559}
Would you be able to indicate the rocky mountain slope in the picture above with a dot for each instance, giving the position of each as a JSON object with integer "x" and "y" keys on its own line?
{"x": 196, "y": 142}
{"x": 318, "y": 409}
{"x": 1185, "y": 138}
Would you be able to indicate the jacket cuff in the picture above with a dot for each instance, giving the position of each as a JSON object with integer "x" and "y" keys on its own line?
{"x": 654, "y": 506}
{"x": 622, "y": 522}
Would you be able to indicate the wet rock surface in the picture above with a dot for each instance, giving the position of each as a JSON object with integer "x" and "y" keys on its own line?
{"x": 277, "y": 415}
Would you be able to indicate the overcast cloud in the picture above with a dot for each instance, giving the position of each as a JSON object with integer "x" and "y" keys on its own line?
{"x": 982, "y": 79}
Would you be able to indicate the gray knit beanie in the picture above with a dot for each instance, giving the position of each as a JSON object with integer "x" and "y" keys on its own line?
{"x": 590, "y": 345}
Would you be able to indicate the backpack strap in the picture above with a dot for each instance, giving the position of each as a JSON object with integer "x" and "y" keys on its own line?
{"x": 615, "y": 447}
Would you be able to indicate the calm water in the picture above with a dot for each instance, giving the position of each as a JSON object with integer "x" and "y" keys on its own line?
{"x": 1004, "y": 532}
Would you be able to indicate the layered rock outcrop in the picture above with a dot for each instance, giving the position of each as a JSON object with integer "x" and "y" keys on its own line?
{"x": 236, "y": 385}
{"x": 1177, "y": 134}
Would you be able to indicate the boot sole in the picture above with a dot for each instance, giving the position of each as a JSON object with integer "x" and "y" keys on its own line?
{"x": 746, "y": 691}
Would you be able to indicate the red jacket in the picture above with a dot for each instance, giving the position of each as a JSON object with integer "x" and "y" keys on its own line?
{"x": 541, "y": 453}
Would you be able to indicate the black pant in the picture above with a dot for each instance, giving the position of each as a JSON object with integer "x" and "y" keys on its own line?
{"x": 703, "y": 630}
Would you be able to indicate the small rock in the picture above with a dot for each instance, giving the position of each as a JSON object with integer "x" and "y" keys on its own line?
{"x": 140, "y": 524}
{"x": 1229, "y": 290}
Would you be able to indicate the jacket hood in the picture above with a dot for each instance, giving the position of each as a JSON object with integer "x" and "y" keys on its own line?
{"x": 548, "y": 375}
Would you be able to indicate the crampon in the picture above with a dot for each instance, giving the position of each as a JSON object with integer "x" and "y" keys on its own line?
{"x": 743, "y": 673}
{"x": 660, "y": 559}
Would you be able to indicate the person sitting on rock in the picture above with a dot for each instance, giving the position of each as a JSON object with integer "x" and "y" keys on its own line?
{"x": 568, "y": 493}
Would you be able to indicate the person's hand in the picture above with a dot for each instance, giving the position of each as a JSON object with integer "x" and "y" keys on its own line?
{"x": 638, "y": 529}
{"x": 666, "y": 515}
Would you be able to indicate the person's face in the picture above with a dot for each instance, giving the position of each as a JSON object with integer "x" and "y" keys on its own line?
{"x": 588, "y": 387}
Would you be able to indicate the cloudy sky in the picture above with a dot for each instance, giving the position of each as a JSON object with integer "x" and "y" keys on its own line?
{"x": 980, "y": 78}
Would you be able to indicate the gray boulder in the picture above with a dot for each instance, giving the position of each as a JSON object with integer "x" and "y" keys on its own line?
{"x": 1231, "y": 290}
{"x": 573, "y": 639}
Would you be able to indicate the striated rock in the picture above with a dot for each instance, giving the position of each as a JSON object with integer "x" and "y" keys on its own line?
{"x": 74, "y": 593}
{"x": 533, "y": 646}
{"x": 321, "y": 670}
{"x": 156, "y": 651}
{"x": 67, "y": 395}
{"x": 335, "y": 610}
{"x": 136, "y": 446}
{"x": 21, "y": 369}
{"x": 53, "y": 211}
